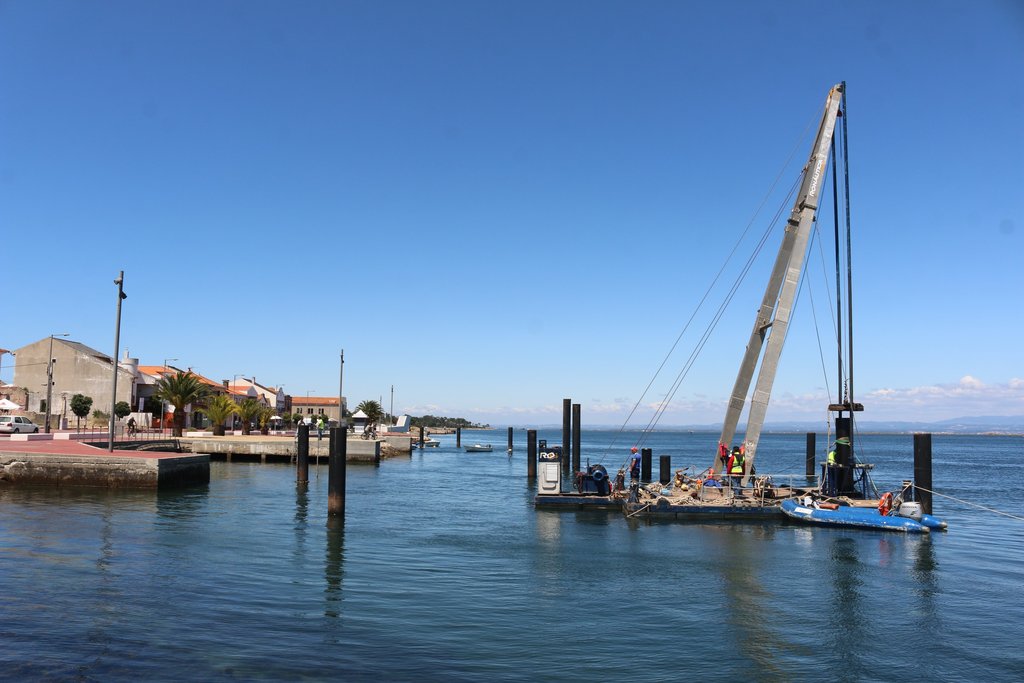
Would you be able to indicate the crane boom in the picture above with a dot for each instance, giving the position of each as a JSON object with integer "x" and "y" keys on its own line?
{"x": 772, "y": 320}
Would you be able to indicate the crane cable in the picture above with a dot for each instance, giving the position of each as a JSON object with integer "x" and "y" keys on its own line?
{"x": 764, "y": 200}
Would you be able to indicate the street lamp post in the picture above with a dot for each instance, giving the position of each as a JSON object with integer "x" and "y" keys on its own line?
{"x": 163, "y": 404}
{"x": 341, "y": 393}
{"x": 49, "y": 377}
{"x": 121, "y": 296}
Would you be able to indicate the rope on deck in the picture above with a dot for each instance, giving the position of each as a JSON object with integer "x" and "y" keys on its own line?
{"x": 637, "y": 512}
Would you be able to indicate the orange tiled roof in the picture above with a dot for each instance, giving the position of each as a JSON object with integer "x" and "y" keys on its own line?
{"x": 314, "y": 401}
{"x": 155, "y": 370}
{"x": 160, "y": 371}
{"x": 208, "y": 381}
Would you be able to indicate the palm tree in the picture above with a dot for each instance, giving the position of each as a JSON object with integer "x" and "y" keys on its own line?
{"x": 249, "y": 411}
{"x": 218, "y": 409}
{"x": 265, "y": 414}
{"x": 179, "y": 390}
{"x": 372, "y": 410}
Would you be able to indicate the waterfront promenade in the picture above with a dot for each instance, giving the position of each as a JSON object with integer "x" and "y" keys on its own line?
{"x": 67, "y": 462}
{"x": 278, "y": 448}
{"x": 68, "y": 459}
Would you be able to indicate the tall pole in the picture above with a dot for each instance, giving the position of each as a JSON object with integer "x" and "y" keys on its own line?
{"x": 923, "y": 471}
{"x": 163, "y": 404}
{"x": 392, "y": 413}
{"x": 336, "y": 473}
{"x": 302, "y": 454}
{"x": 341, "y": 393}
{"x": 121, "y": 296}
{"x": 531, "y": 454}
{"x": 49, "y": 379}
{"x": 49, "y": 382}
{"x": 849, "y": 252}
{"x": 576, "y": 465}
{"x": 566, "y": 433}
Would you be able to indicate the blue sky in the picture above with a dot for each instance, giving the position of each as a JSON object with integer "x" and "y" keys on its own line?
{"x": 495, "y": 205}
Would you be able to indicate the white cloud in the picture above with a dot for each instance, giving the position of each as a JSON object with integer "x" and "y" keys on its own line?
{"x": 968, "y": 397}
{"x": 970, "y": 382}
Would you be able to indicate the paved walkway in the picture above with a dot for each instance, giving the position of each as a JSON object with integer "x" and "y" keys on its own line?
{"x": 71, "y": 447}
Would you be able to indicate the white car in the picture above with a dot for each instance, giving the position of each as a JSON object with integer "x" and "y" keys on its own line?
{"x": 12, "y": 424}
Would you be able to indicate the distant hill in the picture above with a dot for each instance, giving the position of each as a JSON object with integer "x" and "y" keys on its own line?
{"x": 990, "y": 424}
{"x": 959, "y": 425}
{"x": 987, "y": 424}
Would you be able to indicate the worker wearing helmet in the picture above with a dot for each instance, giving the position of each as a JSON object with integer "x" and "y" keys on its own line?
{"x": 634, "y": 466}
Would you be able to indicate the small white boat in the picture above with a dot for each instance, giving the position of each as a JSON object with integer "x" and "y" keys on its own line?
{"x": 479, "y": 448}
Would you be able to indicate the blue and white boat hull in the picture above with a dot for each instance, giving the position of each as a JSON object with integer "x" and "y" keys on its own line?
{"x": 867, "y": 518}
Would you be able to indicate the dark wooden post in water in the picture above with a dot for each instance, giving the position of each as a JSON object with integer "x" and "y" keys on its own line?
{"x": 531, "y": 454}
{"x": 302, "y": 454}
{"x": 665, "y": 468}
{"x": 844, "y": 458}
{"x": 336, "y": 473}
{"x": 923, "y": 471}
{"x": 509, "y": 439}
{"x": 810, "y": 456}
{"x": 458, "y": 437}
{"x": 422, "y": 441}
{"x": 576, "y": 437}
{"x": 566, "y": 429}
{"x": 645, "y": 465}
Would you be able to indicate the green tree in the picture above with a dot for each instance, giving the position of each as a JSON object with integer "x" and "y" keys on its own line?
{"x": 80, "y": 406}
{"x": 372, "y": 410}
{"x": 249, "y": 412}
{"x": 264, "y": 419}
{"x": 218, "y": 409}
{"x": 179, "y": 390}
{"x": 155, "y": 408}
{"x": 122, "y": 409}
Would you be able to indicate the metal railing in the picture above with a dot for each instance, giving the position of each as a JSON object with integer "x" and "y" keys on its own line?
{"x": 122, "y": 434}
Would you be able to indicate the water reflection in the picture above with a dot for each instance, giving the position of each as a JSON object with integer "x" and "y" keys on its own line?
{"x": 926, "y": 577}
{"x": 746, "y": 599}
{"x": 301, "y": 520}
{"x": 850, "y": 639}
{"x": 334, "y": 567}
{"x": 103, "y": 615}
{"x": 173, "y": 504}
{"x": 549, "y": 528}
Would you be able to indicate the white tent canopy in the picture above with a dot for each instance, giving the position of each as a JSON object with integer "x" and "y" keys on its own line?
{"x": 8, "y": 405}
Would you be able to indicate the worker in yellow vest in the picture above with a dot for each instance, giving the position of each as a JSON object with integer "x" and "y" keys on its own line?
{"x": 735, "y": 465}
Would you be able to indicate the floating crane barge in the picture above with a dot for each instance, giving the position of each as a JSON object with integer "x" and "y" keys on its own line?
{"x": 729, "y": 489}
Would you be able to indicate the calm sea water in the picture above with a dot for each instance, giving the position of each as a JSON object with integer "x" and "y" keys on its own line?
{"x": 444, "y": 571}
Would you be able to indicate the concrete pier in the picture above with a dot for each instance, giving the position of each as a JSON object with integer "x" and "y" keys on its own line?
{"x": 69, "y": 463}
{"x": 282, "y": 449}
